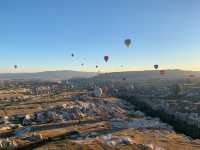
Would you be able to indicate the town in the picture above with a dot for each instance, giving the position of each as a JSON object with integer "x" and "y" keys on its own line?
{"x": 80, "y": 112}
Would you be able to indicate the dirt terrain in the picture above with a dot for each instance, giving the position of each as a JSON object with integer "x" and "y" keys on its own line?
{"x": 70, "y": 121}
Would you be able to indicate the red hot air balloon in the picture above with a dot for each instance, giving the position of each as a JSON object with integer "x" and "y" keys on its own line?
{"x": 106, "y": 58}
{"x": 155, "y": 66}
{"x": 162, "y": 72}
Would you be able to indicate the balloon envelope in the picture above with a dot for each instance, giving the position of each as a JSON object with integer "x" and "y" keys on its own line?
{"x": 15, "y": 66}
{"x": 106, "y": 58}
{"x": 155, "y": 66}
{"x": 127, "y": 42}
{"x": 72, "y": 55}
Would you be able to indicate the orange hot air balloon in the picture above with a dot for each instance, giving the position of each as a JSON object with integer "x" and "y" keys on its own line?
{"x": 106, "y": 58}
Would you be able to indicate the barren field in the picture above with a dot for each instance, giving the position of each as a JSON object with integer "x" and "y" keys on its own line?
{"x": 70, "y": 121}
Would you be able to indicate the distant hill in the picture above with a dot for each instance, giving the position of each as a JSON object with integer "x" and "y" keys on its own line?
{"x": 150, "y": 74}
{"x": 47, "y": 75}
{"x": 68, "y": 74}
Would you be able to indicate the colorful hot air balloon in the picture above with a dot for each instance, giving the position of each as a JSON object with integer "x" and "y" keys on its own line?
{"x": 15, "y": 66}
{"x": 155, "y": 66}
{"x": 127, "y": 42}
{"x": 162, "y": 72}
{"x": 106, "y": 58}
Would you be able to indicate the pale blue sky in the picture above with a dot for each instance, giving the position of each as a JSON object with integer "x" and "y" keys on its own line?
{"x": 40, "y": 35}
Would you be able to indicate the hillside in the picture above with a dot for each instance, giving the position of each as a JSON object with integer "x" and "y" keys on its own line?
{"x": 150, "y": 74}
{"x": 68, "y": 74}
{"x": 48, "y": 75}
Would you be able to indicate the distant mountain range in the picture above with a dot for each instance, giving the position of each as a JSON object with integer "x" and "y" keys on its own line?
{"x": 47, "y": 75}
{"x": 68, "y": 74}
{"x": 151, "y": 74}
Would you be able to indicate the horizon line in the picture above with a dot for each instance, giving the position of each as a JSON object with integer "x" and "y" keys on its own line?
{"x": 96, "y": 71}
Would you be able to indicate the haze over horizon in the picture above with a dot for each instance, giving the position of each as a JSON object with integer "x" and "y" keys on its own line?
{"x": 41, "y": 35}
{"x": 115, "y": 71}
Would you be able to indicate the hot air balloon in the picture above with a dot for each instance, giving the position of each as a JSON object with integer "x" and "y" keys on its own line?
{"x": 155, "y": 66}
{"x": 97, "y": 66}
{"x": 127, "y": 42}
{"x": 162, "y": 72}
{"x": 106, "y": 58}
{"x": 72, "y": 55}
{"x": 82, "y": 64}
{"x": 15, "y": 66}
